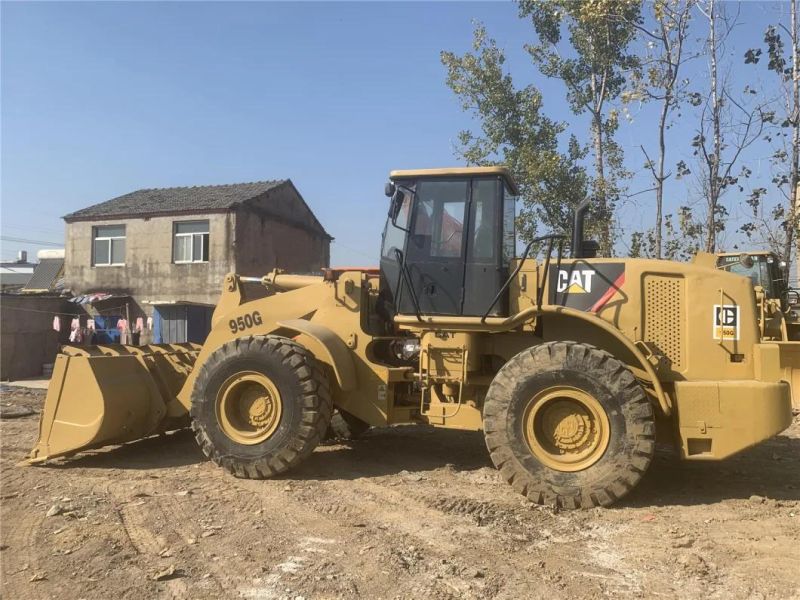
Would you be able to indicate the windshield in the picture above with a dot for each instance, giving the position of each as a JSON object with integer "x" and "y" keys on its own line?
{"x": 758, "y": 274}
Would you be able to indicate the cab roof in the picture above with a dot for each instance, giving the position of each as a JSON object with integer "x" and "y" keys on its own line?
{"x": 749, "y": 253}
{"x": 497, "y": 171}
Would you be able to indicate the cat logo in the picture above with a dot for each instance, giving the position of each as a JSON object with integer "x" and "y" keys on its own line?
{"x": 586, "y": 286}
{"x": 726, "y": 322}
{"x": 575, "y": 282}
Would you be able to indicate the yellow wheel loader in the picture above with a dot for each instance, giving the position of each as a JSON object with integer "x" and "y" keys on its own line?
{"x": 777, "y": 306}
{"x": 572, "y": 367}
{"x": 778, "y": 303}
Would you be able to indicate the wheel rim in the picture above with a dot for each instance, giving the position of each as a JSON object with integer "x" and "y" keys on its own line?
{"x": 248, "y": 407}
{"x": 566, "y": 429}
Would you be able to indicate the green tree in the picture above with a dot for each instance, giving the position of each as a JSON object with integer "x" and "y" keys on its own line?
{"x": 594, "y": 72}
{"x": 515, "y": 132}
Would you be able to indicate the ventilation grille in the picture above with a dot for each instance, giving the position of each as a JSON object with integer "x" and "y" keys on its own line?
{"x": 664, "y": 317}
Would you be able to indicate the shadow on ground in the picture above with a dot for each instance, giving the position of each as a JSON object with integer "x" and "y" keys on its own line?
{"x": 174, "y": 449}
{"x": 771, "y": 470}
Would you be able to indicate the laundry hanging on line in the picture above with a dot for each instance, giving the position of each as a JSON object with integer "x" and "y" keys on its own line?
{"x": 75, "y": 334}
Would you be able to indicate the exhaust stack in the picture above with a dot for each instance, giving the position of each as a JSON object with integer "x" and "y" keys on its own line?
{"x": 577, "y": 228}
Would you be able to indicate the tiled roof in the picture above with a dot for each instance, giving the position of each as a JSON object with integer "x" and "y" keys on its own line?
{"x": 179, "y": 199}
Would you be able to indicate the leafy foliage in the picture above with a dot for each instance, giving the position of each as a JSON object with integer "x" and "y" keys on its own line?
{"x": 599, "y": 33}
{"x": 515, "y": 132}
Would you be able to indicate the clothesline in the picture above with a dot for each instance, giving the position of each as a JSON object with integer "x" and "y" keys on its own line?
{"x": 106, "y": 311}
{"x": 126, "y": 329}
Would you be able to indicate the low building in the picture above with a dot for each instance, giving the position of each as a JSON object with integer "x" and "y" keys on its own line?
{"x": 163, "y": 253}
{"x": 15, "y": 275}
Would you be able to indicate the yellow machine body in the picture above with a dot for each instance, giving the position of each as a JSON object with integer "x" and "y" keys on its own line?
{"x": 777, "y": 307}
{"x": 689, "y": 333}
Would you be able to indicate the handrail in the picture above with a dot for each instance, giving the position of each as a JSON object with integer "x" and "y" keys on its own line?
{"x": 550, "y": 237}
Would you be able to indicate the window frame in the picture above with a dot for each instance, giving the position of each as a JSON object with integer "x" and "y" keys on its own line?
{"x": 109, "y": 239}
{"x": 203, "y": 249}
{"x": 437, "y": 218}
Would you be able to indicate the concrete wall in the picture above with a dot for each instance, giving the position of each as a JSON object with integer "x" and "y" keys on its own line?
{"x": 263, "y": 244}
{"x": 149, "y": 273}
{"x": 277, "y": 229}
{"x": 27, "y": 338}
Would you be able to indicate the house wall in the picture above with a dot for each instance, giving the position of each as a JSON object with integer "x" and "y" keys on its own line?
{"x": 27, "y": 338}
{"x": 278, "y": 230}
{"x": 149, "y": 273}
{"x": 263, "y": 244}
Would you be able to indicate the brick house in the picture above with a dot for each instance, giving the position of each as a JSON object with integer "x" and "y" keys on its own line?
{"x": 164, "y": 252}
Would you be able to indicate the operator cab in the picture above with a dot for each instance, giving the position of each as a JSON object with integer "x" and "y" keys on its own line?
{"x": 764, "y": 269}
{"x": 448, "y": 241}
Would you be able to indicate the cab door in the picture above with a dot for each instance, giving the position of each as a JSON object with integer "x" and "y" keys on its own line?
{"x": 435, "y": 249}
{"x": 491, "y": 238}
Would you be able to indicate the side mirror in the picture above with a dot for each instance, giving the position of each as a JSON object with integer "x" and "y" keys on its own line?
{"x": 746, "y": 261}
{"x": 389, "y": 189}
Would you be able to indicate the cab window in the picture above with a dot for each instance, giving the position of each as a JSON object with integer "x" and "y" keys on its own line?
{"x": 758, "y": 274}
{"x": 439, "y": 218}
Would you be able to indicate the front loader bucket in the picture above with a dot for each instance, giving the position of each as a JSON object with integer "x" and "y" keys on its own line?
{"x": 101, "y": 395}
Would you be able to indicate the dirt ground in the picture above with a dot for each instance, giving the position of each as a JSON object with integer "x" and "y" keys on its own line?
{"x": 402, "y": 513}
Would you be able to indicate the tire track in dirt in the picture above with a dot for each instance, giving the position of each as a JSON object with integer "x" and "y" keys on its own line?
{"x": 475, "y": 527}
{"x": 165, "y": 533}
{"x": 21, "y": 560}
{"x": 347, "y": 513}
{"x": 134, "y": 518}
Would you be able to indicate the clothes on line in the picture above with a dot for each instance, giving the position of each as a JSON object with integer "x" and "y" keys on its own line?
{"x": 104, "y": 329}
{"x": 76, "y": 333}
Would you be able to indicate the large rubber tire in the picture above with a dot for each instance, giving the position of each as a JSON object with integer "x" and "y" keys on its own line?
{"x": 556, "y": 365}
{"x": 345, "y": 426}
{"x": 305, "y": 410}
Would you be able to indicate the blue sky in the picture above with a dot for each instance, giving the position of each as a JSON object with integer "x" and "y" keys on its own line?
{"x": 100, "y": 99}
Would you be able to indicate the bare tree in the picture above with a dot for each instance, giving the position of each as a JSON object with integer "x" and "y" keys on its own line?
{"x": 659, "y": 81}
{"x": 727, "y": 126}
{"x": 777, "y": 225}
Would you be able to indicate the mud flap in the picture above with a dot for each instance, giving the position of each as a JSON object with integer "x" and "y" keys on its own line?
{"x": 110, "y": 395}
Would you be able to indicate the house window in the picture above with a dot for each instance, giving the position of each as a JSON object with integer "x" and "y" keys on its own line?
{"x": 108, "y": 245}
{"x": 190, "y": 244}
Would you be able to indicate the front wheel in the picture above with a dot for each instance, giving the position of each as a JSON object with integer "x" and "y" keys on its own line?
{"x": 260, "y": 405}
{"x": 568, "y": 425}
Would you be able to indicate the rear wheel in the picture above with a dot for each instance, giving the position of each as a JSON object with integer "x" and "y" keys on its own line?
{"x": 260, "y": 405}
{"x": 568, "y": 425}
{"x": 345, "y": 426}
